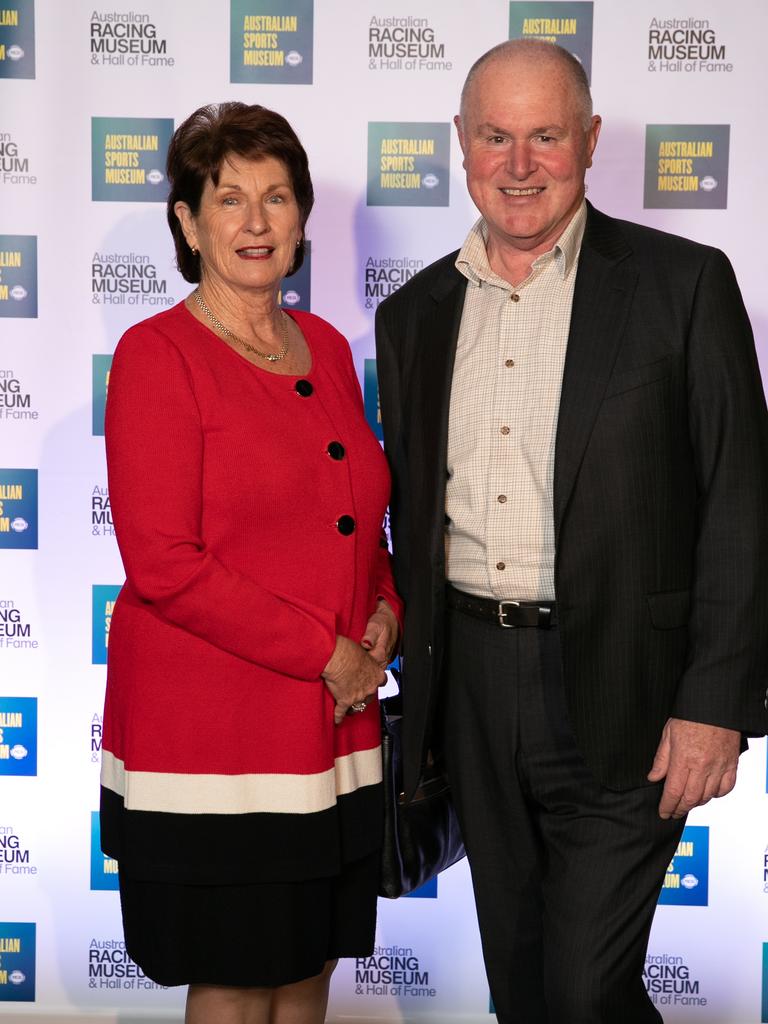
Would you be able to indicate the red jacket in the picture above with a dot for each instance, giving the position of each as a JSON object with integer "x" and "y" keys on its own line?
{"x": 248, "y": 509}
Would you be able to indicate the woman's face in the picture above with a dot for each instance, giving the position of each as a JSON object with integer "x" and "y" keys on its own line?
{"x": 247, "y": 227}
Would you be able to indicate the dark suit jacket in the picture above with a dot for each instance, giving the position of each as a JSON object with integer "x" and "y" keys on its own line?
{"x": 660, "y": 494}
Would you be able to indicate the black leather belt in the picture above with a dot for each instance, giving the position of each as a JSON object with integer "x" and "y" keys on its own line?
{"x": 508, "y": 614}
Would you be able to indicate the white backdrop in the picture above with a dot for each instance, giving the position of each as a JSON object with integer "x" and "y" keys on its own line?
{"x": 65, "y": 228}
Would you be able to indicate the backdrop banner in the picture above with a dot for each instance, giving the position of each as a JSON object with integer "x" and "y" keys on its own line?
{"x": 91, "y": 92}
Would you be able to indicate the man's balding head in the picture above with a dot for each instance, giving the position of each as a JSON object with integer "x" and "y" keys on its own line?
{"x": 535, "y": 51}
{"x": 528, "y": 134}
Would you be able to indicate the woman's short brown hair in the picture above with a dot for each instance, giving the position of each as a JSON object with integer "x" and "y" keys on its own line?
{"x": 201, "y": 144}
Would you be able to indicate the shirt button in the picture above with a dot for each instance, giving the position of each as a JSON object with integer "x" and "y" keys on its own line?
{"x": 509, "y": 362}
{"x": 501, "y": 499}
{"x": 501, "y": 566}
{"x": 505, "y": 430}
{"x": 345, "y": 525}
{"x": 304, "y": 388}
{"x": 336, "y": 450}
{"x": 514, "y": 297}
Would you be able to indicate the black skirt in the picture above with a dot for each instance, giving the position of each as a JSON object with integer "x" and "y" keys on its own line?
{"x": 258, "y": 935}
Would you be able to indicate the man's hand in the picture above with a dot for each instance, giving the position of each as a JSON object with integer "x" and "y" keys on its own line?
{"x": 380, "y": 637}
{"x": 699, "y": 762}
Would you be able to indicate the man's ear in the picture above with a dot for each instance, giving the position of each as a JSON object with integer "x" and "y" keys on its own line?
{"x": 593, "y": 133}
{"x": 460, "y": 133}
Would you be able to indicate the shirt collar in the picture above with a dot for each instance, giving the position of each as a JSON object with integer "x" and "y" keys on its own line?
{"x": 472, "y": 260}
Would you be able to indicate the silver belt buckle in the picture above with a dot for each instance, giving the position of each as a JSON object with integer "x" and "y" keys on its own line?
{"x": 501, "y": 613}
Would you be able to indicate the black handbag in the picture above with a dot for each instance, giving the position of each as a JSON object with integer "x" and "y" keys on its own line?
{"x": 422, "y": 837}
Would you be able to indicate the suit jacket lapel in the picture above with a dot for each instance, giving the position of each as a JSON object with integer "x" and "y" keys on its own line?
{"x": 433, "y": 372}
{"x": 605, "y": 283}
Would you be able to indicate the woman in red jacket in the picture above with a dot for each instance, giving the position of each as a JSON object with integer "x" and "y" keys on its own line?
{"x": 241, "y": 776}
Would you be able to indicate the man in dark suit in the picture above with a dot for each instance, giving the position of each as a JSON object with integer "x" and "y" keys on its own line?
{"x": 574, "y": 418}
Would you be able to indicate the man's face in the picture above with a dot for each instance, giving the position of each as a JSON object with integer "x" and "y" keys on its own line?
{"x": 525, "y": 151}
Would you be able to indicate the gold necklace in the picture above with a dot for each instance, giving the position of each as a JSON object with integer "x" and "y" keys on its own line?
{"x": 271, "y": 357}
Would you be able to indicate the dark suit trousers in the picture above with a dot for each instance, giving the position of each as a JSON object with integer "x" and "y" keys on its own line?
{"x": 566, "y": 873}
